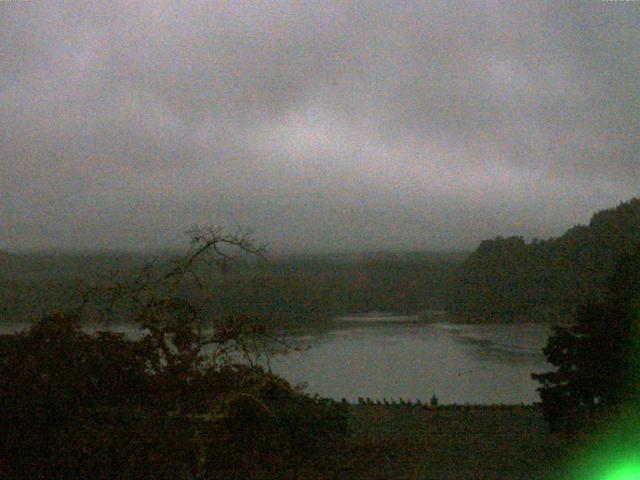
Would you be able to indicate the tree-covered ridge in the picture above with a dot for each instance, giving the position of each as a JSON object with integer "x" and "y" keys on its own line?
{"x": 506, "y": 279}
{"x": 299, "y": 288}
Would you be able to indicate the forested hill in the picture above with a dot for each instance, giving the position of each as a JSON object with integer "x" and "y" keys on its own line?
{"x": 297, "y": 288}
{"x": 507, "y": 279}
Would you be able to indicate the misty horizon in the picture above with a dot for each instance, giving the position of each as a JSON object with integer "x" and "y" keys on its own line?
{"x": 322, "y": 126}
{"x": 183, "y": 247}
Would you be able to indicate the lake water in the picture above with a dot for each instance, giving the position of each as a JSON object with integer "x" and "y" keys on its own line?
{"x": 392, "y": 357}
{"x": 385, "y": 359}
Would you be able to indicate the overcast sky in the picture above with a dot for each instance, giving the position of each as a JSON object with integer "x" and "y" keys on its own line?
{"x": 322, "y": 126}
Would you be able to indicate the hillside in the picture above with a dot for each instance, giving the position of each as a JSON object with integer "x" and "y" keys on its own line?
{"x": 298, "y": 288}
{"x": 507, "y": 279}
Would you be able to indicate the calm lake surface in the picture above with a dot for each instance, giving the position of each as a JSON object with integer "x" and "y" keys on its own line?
{"x": 390, "y": 357}
{"x": 385, "y": 359}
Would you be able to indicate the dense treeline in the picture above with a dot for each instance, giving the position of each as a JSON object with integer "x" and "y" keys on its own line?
{"x": 403, "y": 283}
{"x": 506, "y": 279}
{"x": 291, "y": 288}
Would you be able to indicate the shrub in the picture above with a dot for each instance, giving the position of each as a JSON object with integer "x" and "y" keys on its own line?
{"x": 176, "y": 403}
{"x": 76, "y": 405}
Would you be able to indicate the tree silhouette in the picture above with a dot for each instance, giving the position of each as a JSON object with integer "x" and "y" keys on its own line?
{"x": 507, "y": 279}
{"x": 598, "y": 358}
{"x": 186, "y": 400}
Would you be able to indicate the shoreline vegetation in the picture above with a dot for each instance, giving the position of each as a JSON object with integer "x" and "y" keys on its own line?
{"x": 262, "y": 415}
{"x": 505, "y": 280}
{"x": 290, "y": 292}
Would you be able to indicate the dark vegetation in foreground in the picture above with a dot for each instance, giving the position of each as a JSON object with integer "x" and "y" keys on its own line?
{"x": 76, "y": 406}
{"x": 188, "y": 401}
{"x": 597, "y": 359}
{"x": 185, "y": 401}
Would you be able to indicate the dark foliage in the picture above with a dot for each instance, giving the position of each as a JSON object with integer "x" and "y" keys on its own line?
{"x": 506, "y": 279}
{"x": 186, "y": 400}
{"x": 81, "y": 406}
{"x": 597, "y": 359}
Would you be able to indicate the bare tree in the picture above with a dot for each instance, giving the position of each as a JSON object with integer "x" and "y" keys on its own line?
{"x": 173, "y": 300}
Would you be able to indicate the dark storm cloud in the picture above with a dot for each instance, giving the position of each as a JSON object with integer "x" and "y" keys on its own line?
{"x": 322, "y": 125}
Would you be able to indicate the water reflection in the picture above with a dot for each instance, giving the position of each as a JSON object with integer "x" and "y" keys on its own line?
{"x": 459, "y": 363}
{"x": 411, "y": 360}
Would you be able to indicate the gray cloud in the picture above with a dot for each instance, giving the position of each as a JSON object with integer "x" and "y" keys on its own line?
{"x": 321, "y": 125}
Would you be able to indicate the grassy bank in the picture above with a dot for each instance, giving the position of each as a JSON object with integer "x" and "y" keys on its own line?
{"x": 409, "y": 442}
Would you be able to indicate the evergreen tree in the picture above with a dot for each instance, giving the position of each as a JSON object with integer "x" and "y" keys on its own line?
{"x": 598, "y": 358}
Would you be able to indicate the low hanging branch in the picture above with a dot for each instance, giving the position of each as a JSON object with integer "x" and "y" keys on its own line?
{"x": 209, "y": 239}
{"x": 175, "y": 319}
